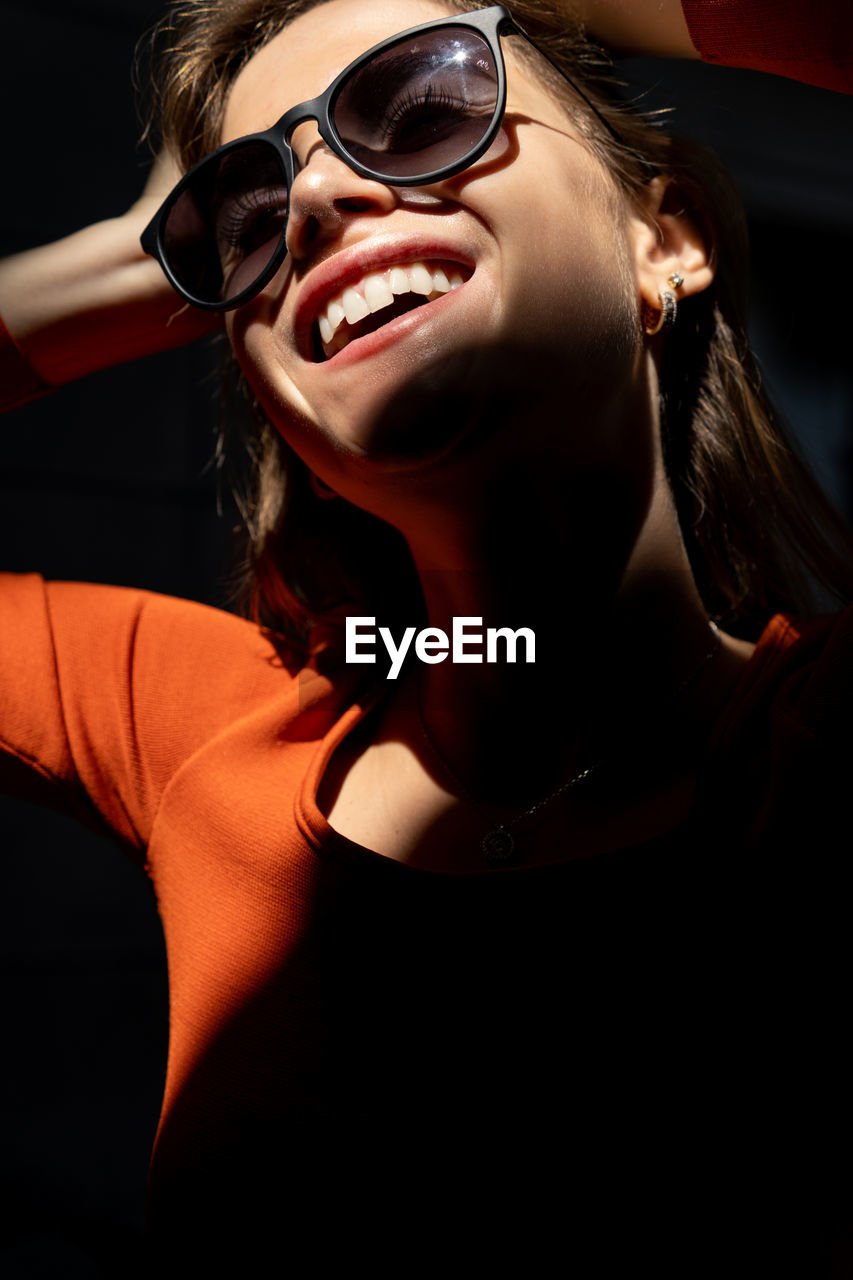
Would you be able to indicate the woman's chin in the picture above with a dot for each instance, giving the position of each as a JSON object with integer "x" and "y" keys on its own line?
{"x": 504, "y": 391}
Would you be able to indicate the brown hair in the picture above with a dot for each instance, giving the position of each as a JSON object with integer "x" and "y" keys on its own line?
{"x": 759, "y": 531}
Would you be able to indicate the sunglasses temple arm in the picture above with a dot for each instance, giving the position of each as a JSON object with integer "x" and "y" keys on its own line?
{"x": 513, "y": 28}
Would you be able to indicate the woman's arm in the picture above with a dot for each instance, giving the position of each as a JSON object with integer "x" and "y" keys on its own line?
{"x": 656, "y": 27}
{"x": 94, "y": 299}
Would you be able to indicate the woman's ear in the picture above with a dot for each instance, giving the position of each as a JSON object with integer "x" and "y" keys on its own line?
{"x": 670, "y": 252}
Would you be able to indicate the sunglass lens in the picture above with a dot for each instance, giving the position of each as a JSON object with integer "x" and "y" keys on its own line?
{"x": 223, "y": 230}
{"x": 421, "y": 106}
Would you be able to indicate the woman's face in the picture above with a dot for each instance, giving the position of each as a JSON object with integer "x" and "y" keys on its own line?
{"x": 534, "y": 230}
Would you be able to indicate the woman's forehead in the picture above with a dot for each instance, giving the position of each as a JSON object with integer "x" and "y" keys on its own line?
{"x": 305, "y": 57}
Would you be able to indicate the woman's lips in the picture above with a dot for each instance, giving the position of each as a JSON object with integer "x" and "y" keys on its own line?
{"x": 331, "y": 278}
{"x": 375, "y": 334}
{"x": 379, "y": 298}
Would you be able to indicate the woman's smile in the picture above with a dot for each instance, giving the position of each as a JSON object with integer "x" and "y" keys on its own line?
{"x": 361, "y": 289}
{"x": 379, "y": 298}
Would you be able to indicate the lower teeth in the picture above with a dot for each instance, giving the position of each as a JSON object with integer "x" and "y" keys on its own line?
{"x": 345, "y": 334}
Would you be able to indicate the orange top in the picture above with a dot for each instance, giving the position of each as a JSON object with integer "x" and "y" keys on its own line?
{"x": 813, "y": 43}
{"x": 379, "y": 1047}
{"x": 19, "y": 383}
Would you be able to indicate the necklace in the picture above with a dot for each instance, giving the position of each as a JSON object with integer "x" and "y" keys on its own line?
{"x": 499, "y": 845}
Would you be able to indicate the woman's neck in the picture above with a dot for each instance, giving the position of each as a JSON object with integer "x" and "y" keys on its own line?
{"x": 555, "y": 518}
{"x": 607, "y": 653}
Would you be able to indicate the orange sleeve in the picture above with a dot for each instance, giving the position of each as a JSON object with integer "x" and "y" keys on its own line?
{"x": 808, "y": 42}
{"x": 18, "y": 381}
{"x": 105, "y": 692}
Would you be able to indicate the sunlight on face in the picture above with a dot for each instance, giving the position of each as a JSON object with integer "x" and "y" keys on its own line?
{"x": 531, "y": 230}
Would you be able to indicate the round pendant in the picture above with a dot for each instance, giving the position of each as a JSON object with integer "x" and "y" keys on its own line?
{"x": 499, "y": 847}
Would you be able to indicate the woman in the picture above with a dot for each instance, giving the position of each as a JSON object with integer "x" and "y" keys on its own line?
{"x": 516, "y": 952}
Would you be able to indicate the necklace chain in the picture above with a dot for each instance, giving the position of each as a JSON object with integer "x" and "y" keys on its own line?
{"x": 499, "y": 844}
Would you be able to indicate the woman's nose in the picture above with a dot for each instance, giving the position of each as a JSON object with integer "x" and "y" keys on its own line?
{"x": 325, "y": 192}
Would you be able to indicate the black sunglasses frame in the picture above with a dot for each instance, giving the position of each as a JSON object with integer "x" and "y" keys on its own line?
{"x": 491, "y": 24}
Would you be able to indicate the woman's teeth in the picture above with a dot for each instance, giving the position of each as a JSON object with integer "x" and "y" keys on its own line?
{"x": 376, "y": 291}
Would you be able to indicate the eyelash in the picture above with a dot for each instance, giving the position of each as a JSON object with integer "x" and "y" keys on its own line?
{"x": 237, "y": 226}
{"x": 429, "y": 97}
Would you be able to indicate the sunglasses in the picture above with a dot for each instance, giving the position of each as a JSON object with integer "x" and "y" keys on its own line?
{"x": 420, "y": 107}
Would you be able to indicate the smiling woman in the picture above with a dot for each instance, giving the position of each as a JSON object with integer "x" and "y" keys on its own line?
{"x": 486, "y": 959}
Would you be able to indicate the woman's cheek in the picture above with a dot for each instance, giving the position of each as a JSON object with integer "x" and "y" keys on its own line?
{"x": 264, "y": 366}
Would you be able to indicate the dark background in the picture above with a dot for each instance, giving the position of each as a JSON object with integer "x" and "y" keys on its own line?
{"x": 110, "y": 480}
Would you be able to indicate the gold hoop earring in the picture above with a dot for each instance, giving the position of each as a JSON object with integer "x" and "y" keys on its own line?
{"x": 321, "y": 490}
{"x": 666, "y": 316}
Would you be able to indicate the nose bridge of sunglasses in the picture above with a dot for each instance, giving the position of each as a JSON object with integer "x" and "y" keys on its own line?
{"x": 305, "y": 142}
{"x": 302, "y": 120}
{"x": 318, "y": 161}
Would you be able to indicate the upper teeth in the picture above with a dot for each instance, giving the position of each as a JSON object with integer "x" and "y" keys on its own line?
{"x": 377, "y": 290}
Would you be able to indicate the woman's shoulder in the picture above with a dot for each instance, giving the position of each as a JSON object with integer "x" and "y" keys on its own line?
{"x": 807, "y": 667}
{"x": 795, "y": 695}
{"x": 86, "y": 614}
{"x": 112, "y": 690}
{"x": 776, "y": 774}
{"x": 158, "y": 654}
